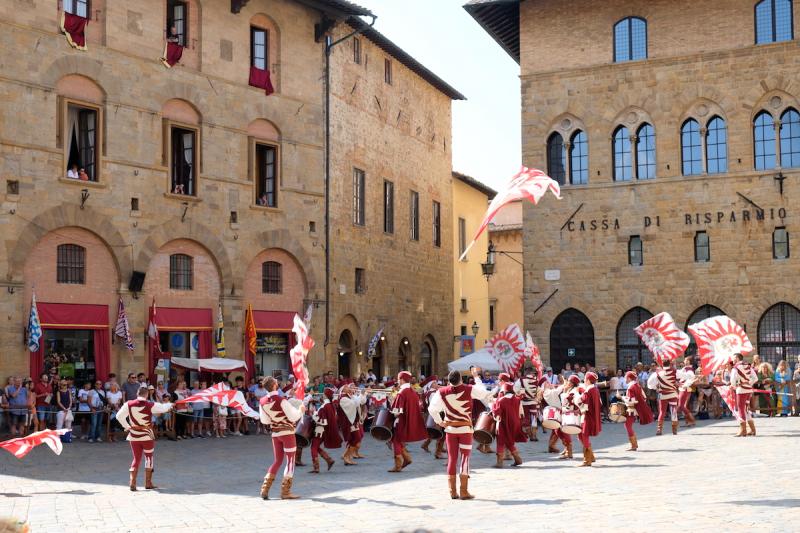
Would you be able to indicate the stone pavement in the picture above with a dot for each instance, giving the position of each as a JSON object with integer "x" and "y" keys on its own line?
{"x": 701, "y": 480}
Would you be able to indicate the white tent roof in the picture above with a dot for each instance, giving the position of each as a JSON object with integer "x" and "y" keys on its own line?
{"x": 215, "y": 364}
{"x": 482, "y": 358}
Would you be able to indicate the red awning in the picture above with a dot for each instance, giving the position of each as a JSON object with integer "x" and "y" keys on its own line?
{"x": 72, "y": 316}
{"x": 273, "y": 320}
{"x": 183, "y": 319}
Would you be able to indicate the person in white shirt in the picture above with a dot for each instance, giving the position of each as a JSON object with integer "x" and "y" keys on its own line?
{"x": 84, "y": 409}
{"x": 72, "y": 173}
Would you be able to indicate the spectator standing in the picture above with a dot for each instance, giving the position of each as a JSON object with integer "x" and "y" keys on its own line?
{"x": 130, "y": 388}
{"x": 112, "y": 378}
{"x": 97, "y": 403}
{"x": 31, "y": 422}
{"x": 782, "y": 387}
{"x": 567, "y": 372}
{"x": 114, "y": 399}
{"x": 796, "y": 380}
{"x": 17, "y": 396}
{"x": 221, "y": 425}
{"x": 196, "y": 425}
{"x": 766, "y": 379}
{"x": 64, "y": 403}
{"x": 206, "y": 424}
{"x": 43, "y": 391}
{"x": 551, "y": 378}
{"x": 183, "y": 411}
{"x": 84, "y": 409}
{"x": 239, "y": 422}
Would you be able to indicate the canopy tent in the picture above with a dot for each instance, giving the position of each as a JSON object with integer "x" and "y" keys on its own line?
{"x": 215, "y": 364}
{"x": 482, "y": 358}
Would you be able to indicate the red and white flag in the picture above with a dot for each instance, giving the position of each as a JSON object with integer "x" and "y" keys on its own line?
{"x": 223, "y": 395}
{"x": 508, "y": 348}
{"x": 152, "y": 330}
{"x": 22, "y": 446}
{"x": 532, "y": 352}
{"x": 728, "y": 394}
{"x": 663, "y": 337}
{"x": 718, "y": 339}
{"x": 528, "y": 183}
{"x": 298, "y": 356}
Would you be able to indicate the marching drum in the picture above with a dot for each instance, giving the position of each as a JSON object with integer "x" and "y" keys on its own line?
{"x": 571, "y": 423}
{"x": 435, "y": 431}
{"x": 304, "y": 431}
{"x": 618, "y": 412}
{"x": 382, "y": 427}
{"x": 484, "y": 428}
{"x": 551, "y": 417}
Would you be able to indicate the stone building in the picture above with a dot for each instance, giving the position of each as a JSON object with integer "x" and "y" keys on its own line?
{"x": 198, "y": 186}
{"x": 674, "y": 128}
{"x": 505, "y": 284}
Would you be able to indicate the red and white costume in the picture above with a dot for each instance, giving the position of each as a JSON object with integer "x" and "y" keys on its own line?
{"x": 508, "y": 412}
{"x": 636, "y": 403}
{"x": 686, "y": 381}
{"x": 665, "y": 381}
{"x": 531, "y": 398}
{"x": 349, "y": 416}
{"x": 326, "y": 432}
{"x": 743, "y": 377}
{"x": 136, "y": 416}
{"x": 592, "y": 423}
{"x": 407, "y": 411}
{"x": 282, "y": 417}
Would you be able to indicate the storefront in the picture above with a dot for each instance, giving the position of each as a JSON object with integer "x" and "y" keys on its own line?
{"x": 183, "y": 332}
{"x": 274, "y": 340}
{"x": 75, "y": 342}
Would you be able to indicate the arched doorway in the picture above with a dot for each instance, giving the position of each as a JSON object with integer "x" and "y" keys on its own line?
{"x": 779, "y": 334}
{"x": 376, "y": 362}
{"x": 571, "y": 339}
{"x": 699, "y": 314}
{"x": 345, "y": 350}
{"x": 403, "y": 354}
{"x": 630, "y": 348}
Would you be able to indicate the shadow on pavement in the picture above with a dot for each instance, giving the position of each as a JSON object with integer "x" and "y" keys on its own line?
{"x": 352, "y": 501}
{"x": 789, "y": 502}
{"x": 532, "y": 502}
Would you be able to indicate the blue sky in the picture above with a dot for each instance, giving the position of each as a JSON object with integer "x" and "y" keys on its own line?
{"x": 444, "y": 38}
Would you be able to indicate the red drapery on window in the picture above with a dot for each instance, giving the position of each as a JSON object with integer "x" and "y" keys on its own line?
{"x": 172, "y": 54}
{"x": 261, "y": 79}
{"x": 74, "y": 27}
{"x": 76, "y": 316}
{"x": 183, "y": 319}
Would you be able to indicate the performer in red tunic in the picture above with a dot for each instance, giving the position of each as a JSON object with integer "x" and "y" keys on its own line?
{"x": 743, "y": 377}
{"x": 665, "y": 381}
{"x": 686, "y": 381}
{"x": 429, "y": 386}
{"x": 507, "y": 411}
{"x": 592, "y": 416}
{"x": 282, "y": 416}
{"x": 136, "y": 417}
{"x": 531, "y": 398}
{"x": 566, "y": 397}
{"x": 451, "y": 407}
{"x": 636, "y": 402}
{"x": 408, "y": 423}
{"x": 349, "y": 418}
{"x": 326, "y": 433}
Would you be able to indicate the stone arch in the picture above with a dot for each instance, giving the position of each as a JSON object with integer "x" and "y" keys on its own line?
{"x": 429, "y": 343}
{"x": 349, "y": 322}
{"x": 70, "y": 215}
{"x": 632, "y": 117}
{"x": 566, "y": 124}
{"x": 774, "y": 102}
{"x": 180, "y": 110}
{"x": 174, "y": 90}
{"x": 289, "y": 297}
{"x": 193, "y": 231}
{"x": 80, "y": 87}
{"x": 281, "y": 238}
{"x": 761, "y": 95}
{"x": 702, "y": 110}
{"x": 86, "y": 67}
{"x": 264, "y": 129}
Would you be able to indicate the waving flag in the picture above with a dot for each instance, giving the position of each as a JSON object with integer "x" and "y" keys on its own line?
{"x": 152, "y": 330}
{"x": 718, "y": 339}
{"x": 663, "y": 337}
{"x": 122, "y": 329}
{"x": 298, "y": 356}
{"x": 307, "y": 316}
{"x": 508, "y": 348}
{"x": 528, "y": 183}
{"x": 34, "y": 327}
{"x": 532, "y": 352}
{"x": 219, "y": 336}
{"x": 249, "y": 336}
{"x": 223, "y": 395}
{"x": 22, "y": 446}
{"x": 372, "y": 347}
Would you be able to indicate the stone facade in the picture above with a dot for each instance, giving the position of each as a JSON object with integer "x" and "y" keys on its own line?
{"x": 701, "y": 63}
{"x": 505, "y": 286}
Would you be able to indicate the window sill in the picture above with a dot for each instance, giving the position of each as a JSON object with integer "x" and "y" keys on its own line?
{"x": 182, "y": 197}
{"x": 265, "y": 209}
{"x": 90, "y": 184}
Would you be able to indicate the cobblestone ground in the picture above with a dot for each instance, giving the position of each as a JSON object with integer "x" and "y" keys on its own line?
{"x": 701, "y": 480}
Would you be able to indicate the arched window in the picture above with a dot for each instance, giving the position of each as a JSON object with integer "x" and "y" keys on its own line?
{"x": 556, "y": 158}
{"x": 425, "y": 360}
{"x": 764, "y": 141}
{"x": 690, "y": 148}
{"x": 630, "y": 348}
{"x": 623, "y": 168}
{"x": 71, "y": 264}
{"x": 773, "y": 21}
{"x": 181, "y": 272}
{"x": 645, "y": 152}
{"x": 271, "y": 277}
{"x": 779, "y": 334}
{"x": 699, "y": 314}
{"x": 579, "y": 159}
{"x": 630, "y": 39}
{"x": 571, "y": 340}
{"x": 716, "y": 146}
{"x": 790, "y": 139}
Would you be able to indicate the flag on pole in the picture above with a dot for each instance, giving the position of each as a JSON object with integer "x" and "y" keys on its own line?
{"x": 223, "y": 395}
{"x": 532, "y": 352}
{"x": 528, "y": 183}
{"x": 663, "y": 337}
{"x": 508, "y": 348}
{"x": 152, "y": 330}
{"x": 307, "y": 316}
{"x": 250, "y": 331}
{"x": 298, "y": 356}
{"x": 122, "y": 329}
{"x": 34, "y": 327}
{"x": 219, "y": 336}
{"x": 372, "y": 348}
{"x": 22, "y": 446}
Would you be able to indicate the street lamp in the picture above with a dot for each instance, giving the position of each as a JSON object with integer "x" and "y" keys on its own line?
{"x": 487, "y": 268}
{"x": 475, "y": 328}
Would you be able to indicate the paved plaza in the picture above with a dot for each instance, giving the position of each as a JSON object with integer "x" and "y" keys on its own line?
{"x": 701, "y": 480}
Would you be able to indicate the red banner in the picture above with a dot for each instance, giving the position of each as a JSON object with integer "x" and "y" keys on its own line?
{"x": 260, "y": 78}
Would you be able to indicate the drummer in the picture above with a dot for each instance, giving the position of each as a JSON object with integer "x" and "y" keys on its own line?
{"x": 349, "y": 418}
{"x": 570, "y": 404}
{"x": 507, "y": 411}
{"x": 429, "y": 386}
{"x": 636, "y": 404}
{"x": 531, "y": 398}
{"x": 592, "y": 423}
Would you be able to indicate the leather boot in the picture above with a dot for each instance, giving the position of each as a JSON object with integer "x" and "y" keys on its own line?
{"x": 133, "y": 474}
{"x": 464, "y": 494}
{"x": 425, "y": 445}
{"x": 265, "y": 486}
{"x": 742, "y": 429}
{"x": 517, "y": 458}
{"x": 328, "y": 458}
{"x": 298, "y": 460}
{"x": 499, "y": 463}
{"x": 148, "y": 479}
{"x": 591, "y": 456}
{"x": 347, "y": 458}
{"x": 406, "y": 457}
{"x": 675, "y": 427}
{"x": 315, "y": 466}
{"x": 286, "y": 490}
{"x": 569, "y": 451}
{"x": 398, "y": 464}
{"x": 439, "y": 449}
{"x": 634, "y": 444}
{"x": 534, "y": 437}
{"x": 690, "y": 421}
{"x": 357, "y": 452}
{"x": 551, "y": 444}
{"x": 566, "y": 454}
{"x": 660, "y": 427}
{"x": 451, "y": 481}
{"x": 507, "y": 456}
{"x": 752, "y": 425}
{"x": 586, "y": 460}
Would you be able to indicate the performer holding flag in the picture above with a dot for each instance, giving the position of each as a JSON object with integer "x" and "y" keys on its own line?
{"x": 665, "y": 381}
{"x": 282, "y": 416}
{"x": 636, "y": 402}
{"x": 743, "y": 377}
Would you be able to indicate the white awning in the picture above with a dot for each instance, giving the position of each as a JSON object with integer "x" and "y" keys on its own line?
{"x": 482, "y": 358}
{"x": 215, "y": 364}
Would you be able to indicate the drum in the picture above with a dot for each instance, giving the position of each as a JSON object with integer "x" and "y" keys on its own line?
{"x": 551, "y": 417}
{"x": 305, "y": 431}
{"x": 571, "y": 423}
{"x": 435, "y": 431}
{"x": 382, "y": 427}
{"x": 618, "y": 412}
{"x": 484, "y": 428}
